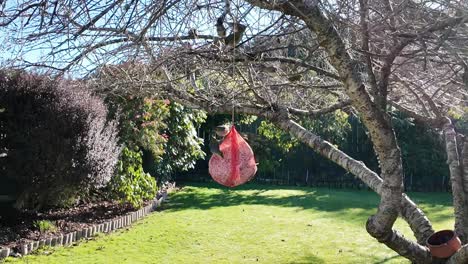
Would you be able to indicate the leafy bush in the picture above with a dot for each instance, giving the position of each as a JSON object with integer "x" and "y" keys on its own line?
{"x": 131, "y": 184}
{"x": 183, "y": 146}
{"x": 276, "y": 148}
{"x": 163, "y": 132}
{"x": 58, "y": 142}
{"x": 140, "y": 123}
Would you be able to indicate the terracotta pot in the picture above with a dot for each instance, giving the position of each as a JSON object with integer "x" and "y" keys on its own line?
{"x": 443, "y": 244}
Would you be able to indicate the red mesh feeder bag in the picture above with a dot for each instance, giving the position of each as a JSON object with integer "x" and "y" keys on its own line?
{"x": 238, "y": 165}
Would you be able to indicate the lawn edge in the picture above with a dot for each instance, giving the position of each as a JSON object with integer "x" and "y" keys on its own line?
{"x": 67, "y": 239}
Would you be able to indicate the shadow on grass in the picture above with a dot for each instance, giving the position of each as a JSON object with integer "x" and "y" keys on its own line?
{"x": 208, "y": 195}
{"x": 387, "y": 259}
{"x": 310, "y": 259}
{"x": 438, "y": 206}
{"x": 323, "y": 199}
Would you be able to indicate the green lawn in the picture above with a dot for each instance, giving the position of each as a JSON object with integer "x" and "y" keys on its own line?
{"x": 251, "y": 224}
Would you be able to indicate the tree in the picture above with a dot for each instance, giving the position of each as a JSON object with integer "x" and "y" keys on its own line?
{"x": 300, "y": 58}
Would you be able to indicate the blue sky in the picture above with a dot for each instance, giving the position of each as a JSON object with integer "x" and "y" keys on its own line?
{"x": 256, "y": 19}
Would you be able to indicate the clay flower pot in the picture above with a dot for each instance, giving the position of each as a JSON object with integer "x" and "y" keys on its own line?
{"x": 443, "y": 244}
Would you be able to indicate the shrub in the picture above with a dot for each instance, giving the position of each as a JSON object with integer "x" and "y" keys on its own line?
{"x": 140, "y": 122}
{"x": 160, "y": 132}
{"x": 45, "y": 226}
{"x": 131, "y": 184}
{"x": 183, "y": 146}
{"x": 58, "y": 142}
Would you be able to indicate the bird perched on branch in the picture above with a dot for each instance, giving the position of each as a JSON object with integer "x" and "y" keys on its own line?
{"x": 220, "y": 29}
{"x": 236, "y": 35}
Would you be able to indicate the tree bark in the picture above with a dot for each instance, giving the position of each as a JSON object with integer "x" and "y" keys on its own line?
{"x": 375, "y": 119}
{"x": 456, "y": 177}
{"x": 410, "y": 212}
{"x": 461, "y": 256}
{"x": 464, "y": 161}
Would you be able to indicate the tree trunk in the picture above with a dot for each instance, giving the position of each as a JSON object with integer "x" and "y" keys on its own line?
{"x": 460, "y": 257}
{"x": 455, "y": 163}
{"x": 410, "y": 212}
{"x": 374, "y": 118}
{"x": 464, "y": 164}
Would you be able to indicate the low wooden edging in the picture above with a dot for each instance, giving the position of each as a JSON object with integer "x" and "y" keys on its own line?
{"x": 88, "y": 232}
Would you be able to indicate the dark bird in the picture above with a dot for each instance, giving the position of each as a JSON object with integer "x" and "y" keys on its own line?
{"x": 237, "y": 33}
{"x": 214, "y": 146}
{"x": 220, "y": 27}
{"x": 193, "y": 33}
{"x": 217, "y": 139}
{"x": 222, "y": 130}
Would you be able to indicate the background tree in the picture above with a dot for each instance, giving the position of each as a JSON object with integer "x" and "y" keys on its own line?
{"x": 300, "y": 58}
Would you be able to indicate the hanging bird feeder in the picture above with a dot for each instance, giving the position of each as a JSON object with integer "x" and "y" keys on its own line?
{"x": 237, "y": 165}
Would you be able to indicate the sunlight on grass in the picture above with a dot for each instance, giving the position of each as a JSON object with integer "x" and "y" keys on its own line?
{"x": 252, "y": 224}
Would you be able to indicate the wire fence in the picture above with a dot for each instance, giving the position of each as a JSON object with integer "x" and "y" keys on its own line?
{"x": 290, "y": 177}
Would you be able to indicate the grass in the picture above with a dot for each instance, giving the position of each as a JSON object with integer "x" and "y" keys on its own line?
{"x": 252, "y": 224}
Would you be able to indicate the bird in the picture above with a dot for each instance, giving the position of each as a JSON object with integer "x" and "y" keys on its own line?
{"x": 237, "y": 33}
{"x": 221, "y": 30}
{"x": 216, "y": 140}
{"x": 214, "y": 146}
{"x": 222, "y": 130}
